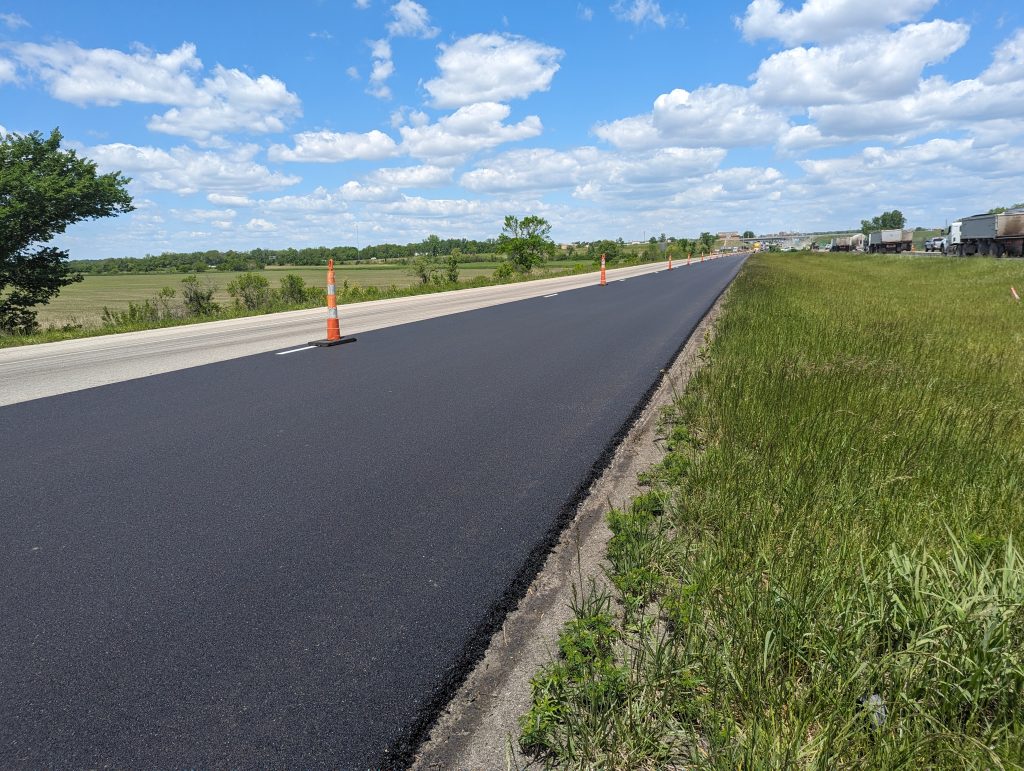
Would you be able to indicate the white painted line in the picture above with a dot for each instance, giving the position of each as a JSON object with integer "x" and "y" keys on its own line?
{"x": 621, "y": 280}
{"x": 551, "y": 295}
{"x": 296, "y": 350}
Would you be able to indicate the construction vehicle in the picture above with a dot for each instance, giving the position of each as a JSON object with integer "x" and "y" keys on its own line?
{"x": 891, "y": 241}
{"x": 854, "y": 243}
{"x": 995, "y": 235}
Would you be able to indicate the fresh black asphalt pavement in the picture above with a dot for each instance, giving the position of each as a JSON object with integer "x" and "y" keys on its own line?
{"x": 289, "y": 561}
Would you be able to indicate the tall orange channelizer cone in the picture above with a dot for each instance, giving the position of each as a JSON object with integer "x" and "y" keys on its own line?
{"x": 333, "y": 328}
{"x": 688, "y": 258}
{"x": 670, "y": 260}
{"x": 604, "y": 278}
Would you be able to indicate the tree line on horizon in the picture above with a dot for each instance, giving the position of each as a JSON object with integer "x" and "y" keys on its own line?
{"x": 259, "y": 258}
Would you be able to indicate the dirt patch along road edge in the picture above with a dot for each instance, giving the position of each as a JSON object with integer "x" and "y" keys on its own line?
{"x": 479, "y": 728}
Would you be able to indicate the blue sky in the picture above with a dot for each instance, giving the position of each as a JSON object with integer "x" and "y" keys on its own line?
{"x": 306, "y": 123}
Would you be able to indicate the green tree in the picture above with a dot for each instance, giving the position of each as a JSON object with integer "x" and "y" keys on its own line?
{"x": 706, "y": 242}
{"x": 424, "y": 269}
{"x": 612, "y": 251}
{"x": 293, "y": 289}
{"x": 452, "y": 274}
{"x": 890, "y": 220}
{"x": 43, "y": 189}
{"x": 1002, "y": 209}
{"x": 748, "y": 234}
{"x": 250, "y": 290}
{"x": 198, "y": 298}
{"x": 432, "y": 245}
{"x": 525, "y": 241}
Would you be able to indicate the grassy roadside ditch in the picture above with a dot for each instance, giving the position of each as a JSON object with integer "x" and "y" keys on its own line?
{"x": 827, "y": 569}
{"x": 169, "y": 310}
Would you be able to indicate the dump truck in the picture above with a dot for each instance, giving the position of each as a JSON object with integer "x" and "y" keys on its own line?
{"x": 891, "y": 241}
{"x": 995, "y": 235}
{"x": 847, "y": 243}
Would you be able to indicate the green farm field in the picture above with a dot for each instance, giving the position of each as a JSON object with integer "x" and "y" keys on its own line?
{"x": 827, "y": 570}
{"x": 83, "y": 302}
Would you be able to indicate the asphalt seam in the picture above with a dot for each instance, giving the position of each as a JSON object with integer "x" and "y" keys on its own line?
{"x": 407, "y": 752}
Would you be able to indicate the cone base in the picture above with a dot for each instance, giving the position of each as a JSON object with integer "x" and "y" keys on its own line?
{"x": 328, "y": 343}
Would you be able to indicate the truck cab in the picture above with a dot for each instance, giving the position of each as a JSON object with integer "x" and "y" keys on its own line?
{"x": 953, "y": 243}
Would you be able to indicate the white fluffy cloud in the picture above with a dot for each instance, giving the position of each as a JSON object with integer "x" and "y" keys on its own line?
{"x": 186, "y": 171}
{"x": 221, "y": 199}
{"x": 492, "y": 68}
{"x": 319, "y": 200}
{"x": 108, "y": 77}
{"x": 413, "y": 176}
{"x": 357, "y": 191}
{"x": 467, "y": 130}
{"x": 546, "y": 169}
{"x": 735, "y": 186}
{"x": 382, "y": 69}
{"x": 332, "y": 147}
{"x": 435, "y": 207}
{"x": 7, "y": 71}
{"x": 642, "y": 11}
{"x": 228, "y": 101}
{"x": 1007, "y": 62}
{"x": 989, "y": 106}
{"x": 13, "y": 21}
{"x": 259, "y": 225}
{"x": 711, "y": 116}
{"x": 825, "y": 21}
{"x": 410, "y": 19}
{"x": 869, "y": 67}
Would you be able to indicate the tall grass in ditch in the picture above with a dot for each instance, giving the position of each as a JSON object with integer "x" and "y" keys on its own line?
{"x": 828, "y": 568}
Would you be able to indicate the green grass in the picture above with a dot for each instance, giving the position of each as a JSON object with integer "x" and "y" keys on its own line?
{"x": 827, "y": 570}
{"x": 83, "y": 302}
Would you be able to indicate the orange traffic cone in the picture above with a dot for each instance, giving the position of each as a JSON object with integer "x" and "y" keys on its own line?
{"x": 333, "y": 328}
{"x": 670, "y": 260}
{"x": 603, "y": 277}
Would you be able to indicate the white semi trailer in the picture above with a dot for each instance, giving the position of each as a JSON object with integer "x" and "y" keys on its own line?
{"x": 891, "y": 241}
{"x": 853, "y": 243}
{"x": 995, "y": 235}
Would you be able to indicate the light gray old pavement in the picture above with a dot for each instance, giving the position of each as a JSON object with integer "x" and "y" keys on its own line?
{"x": 34, "y": 371}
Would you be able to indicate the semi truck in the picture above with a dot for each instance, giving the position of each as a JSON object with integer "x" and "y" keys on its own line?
{"x": 847, "y": 243}
{"x": 891, "y": 241}
{"x": 995, "y": 235}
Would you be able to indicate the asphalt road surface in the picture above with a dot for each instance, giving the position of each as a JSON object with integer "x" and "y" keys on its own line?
{"x": 289, "y": 560}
